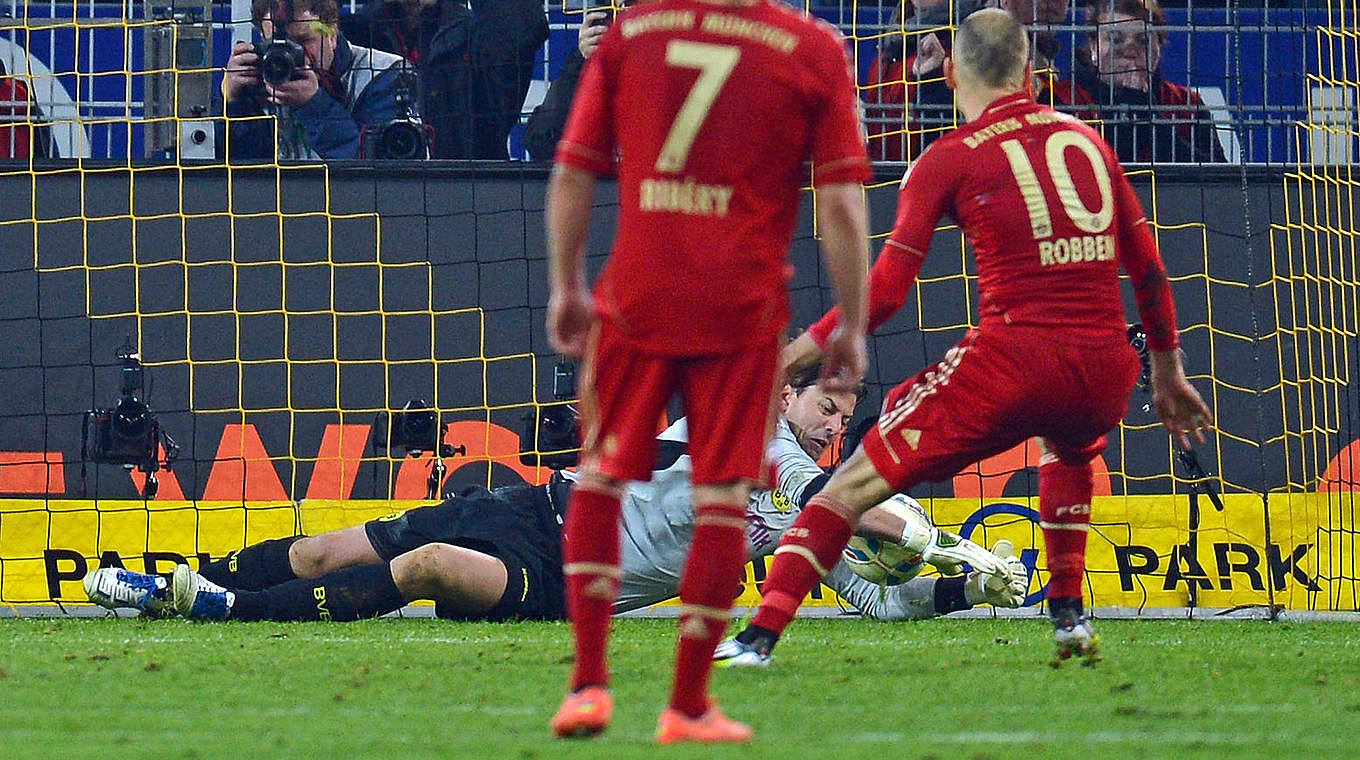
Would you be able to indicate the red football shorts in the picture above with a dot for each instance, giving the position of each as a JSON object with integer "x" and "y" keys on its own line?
{"x": 995, "y": 389}
{"x": 728, "y": 399}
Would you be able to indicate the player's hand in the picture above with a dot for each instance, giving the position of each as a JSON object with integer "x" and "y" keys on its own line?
{"x": 948, "y": 551}
{"x": 296, "y": 92}
{"x": 930, "y": 56}
{"x": 1006, "y": 590}
{"x": 843, "y": 360}
{"x": 1179, "y": 406}
{"x": 243, "y": 72}
{"x": 592, "y": 30}
{"x": 569, "y": 321}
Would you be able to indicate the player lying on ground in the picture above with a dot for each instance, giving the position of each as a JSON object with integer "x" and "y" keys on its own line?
{"x": 493, "y": 555}
{"x": 1051, "y": 218}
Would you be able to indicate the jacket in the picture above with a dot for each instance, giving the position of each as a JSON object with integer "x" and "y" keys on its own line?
{"x": 1168, "y": 124}
{"x": 325, "y": 127}
{"x": 549, "y": 119}
{"x": 474, "y": 68}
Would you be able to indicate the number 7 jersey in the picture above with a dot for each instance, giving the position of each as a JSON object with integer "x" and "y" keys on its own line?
{"x": 709, "y": 113}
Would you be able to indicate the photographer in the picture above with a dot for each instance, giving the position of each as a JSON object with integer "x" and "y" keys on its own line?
{"x": 549, "y": 119}
{"x": 334, "y": 90}
{"x": 475, "y": 61}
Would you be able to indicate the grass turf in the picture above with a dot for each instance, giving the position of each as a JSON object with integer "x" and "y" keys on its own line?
{"x": 840, "y": 689}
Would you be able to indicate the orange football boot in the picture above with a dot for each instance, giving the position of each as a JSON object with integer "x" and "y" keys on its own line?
{"x": 583, "y": 713}
{"x": 710, "y": 728}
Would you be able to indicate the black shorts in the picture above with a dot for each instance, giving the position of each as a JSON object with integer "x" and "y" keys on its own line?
{"x": 515, "y": 524}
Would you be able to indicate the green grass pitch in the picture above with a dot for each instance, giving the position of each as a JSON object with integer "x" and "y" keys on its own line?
{"x": 840, "y": 690}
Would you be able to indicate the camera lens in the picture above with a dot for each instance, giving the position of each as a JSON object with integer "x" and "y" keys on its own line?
{"x": 420, "y": 428}
{"x": 276, "y": 67}
{"x": 402, "y": 140}
{"x": 131, "y": 420}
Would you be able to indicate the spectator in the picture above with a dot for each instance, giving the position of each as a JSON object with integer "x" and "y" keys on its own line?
{"x": 321, "y": 111}
{"x": 1146, "y": 118}
{"x": 907, "y": 69}
{"x": 20, "y": 137}
{"x": 550, "y": 117}
{"x": 475, "y": 65}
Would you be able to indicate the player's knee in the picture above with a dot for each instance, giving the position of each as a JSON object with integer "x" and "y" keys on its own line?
{"x": 420, "y": 567}
{"x": 431, "y": 571}
{"x": 307, "y": 557}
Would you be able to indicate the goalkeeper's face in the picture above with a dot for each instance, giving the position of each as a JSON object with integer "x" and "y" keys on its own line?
{"x": 816, "y": 417}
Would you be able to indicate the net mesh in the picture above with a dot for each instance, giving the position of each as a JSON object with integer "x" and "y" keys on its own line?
{"x": 281, "y": 309}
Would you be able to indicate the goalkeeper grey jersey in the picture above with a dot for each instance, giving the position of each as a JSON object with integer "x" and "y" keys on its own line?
{"x": 658, "y": 523}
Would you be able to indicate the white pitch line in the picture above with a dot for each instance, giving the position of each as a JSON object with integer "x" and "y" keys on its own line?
{"x": 1095, "y": 737}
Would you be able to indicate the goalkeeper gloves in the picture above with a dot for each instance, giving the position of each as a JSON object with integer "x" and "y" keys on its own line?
{"x": 1005, "y": 590}
{"x": 948, "y": 551}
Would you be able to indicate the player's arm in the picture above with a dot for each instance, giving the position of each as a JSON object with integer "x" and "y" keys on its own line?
{"x": 1180, "y": 407}
{"x": 924, "y": 598}
{"x": 840, "y": 164}
{"x": 913, "y": 600}
{"x": 585, "y": 150}
{"x": 568, "y": 211}
{"x": 843, "y": 221}
{"x": 921, "y": 202}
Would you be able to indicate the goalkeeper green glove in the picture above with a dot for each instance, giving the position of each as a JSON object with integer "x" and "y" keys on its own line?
{"x": 948, "y": 551}
{"x": 1006, "y": 590}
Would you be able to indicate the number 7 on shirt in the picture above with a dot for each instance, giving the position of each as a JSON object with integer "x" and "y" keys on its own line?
{"x": 715, "y": 64}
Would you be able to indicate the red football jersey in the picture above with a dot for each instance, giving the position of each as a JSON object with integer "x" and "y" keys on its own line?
{"x": 708, "y": 114}
{"x": 1050, "y": 216}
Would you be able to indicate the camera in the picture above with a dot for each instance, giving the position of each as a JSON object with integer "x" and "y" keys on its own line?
{"x": 551, "y": 434}
{"x": 1138, "y": 341}
{"x": 127, "y": 434}
{"x": 280, "y": 58}
{"x": 403, "y": 137}
{"x": 415, "y": 430}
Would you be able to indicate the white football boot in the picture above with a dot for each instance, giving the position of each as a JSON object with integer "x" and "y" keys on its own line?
{"x": 114, "y": 587}
{"x": 1074, "y": 637}
{"x": 734, "y": 654}
{"x": 198, "y": 598}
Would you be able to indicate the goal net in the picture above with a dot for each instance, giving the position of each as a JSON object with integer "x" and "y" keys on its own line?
{"x": 325, "y": 344}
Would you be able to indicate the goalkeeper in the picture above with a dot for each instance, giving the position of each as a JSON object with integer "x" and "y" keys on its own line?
{"x": 494, "y": 555}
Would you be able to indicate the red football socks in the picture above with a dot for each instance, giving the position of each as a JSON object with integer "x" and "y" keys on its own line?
{"x": 590, "y": 564}
{"x": 712, "y": 574}
{"x": 808, "y": 550}
{"x": 1065, "y": 516}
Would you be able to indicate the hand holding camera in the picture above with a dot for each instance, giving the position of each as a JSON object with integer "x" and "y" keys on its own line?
{"x": 242, "y": 75}
{"x": 593, "y": 27}
{"x": 295, "y": 92}
{"x": 277, "y": 67}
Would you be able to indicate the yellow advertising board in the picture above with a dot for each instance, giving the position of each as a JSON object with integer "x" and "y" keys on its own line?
{"x": 1140, "y": 550}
